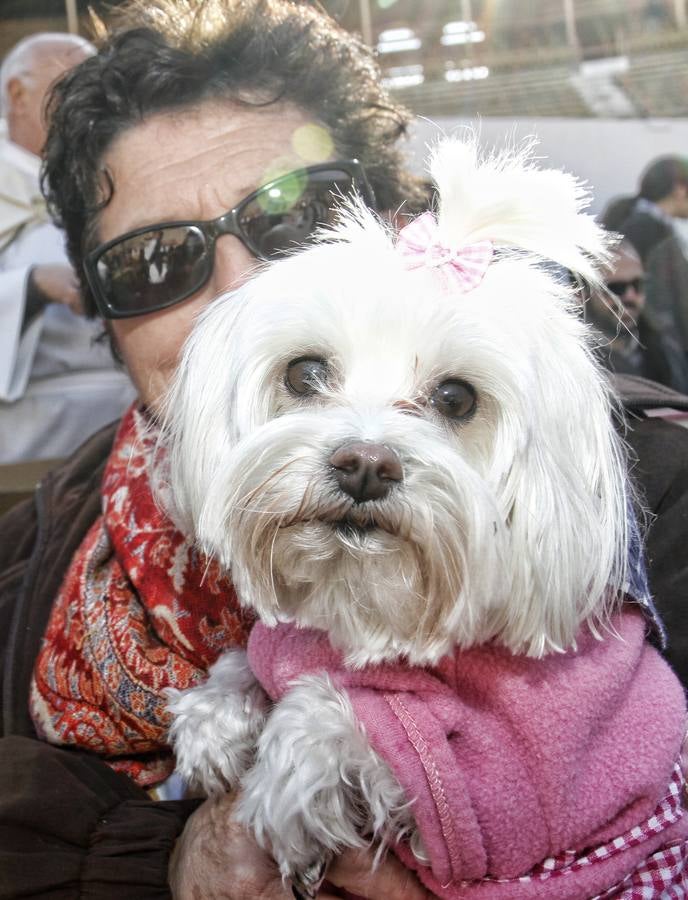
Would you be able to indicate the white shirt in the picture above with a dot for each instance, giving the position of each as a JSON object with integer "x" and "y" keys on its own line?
{"x": 57, "y": 386}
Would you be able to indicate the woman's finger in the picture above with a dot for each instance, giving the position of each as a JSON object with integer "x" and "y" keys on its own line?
{"x": 353, "y": 871}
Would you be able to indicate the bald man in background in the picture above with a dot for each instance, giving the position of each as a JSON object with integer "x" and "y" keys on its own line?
{"x": 57, "y": 385}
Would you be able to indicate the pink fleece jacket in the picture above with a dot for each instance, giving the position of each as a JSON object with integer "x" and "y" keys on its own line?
{"x": 511, "y": 760}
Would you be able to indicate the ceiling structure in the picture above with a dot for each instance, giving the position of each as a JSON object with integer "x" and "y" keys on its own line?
{"x": 612, "y": 58}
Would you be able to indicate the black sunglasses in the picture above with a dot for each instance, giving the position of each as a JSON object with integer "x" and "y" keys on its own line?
{"x": 619, "y": 288}
{"x": 159, "y": 265}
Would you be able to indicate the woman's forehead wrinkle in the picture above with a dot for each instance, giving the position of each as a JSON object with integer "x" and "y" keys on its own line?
{"x": 190, "y": 179}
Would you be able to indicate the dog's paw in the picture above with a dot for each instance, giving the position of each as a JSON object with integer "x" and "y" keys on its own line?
{"x": 317, "y": 786}
{"x": 306, "y": 883}
{"x": 294, "y": 797}
{"x": 216, "y": 725}
{"x": 208, "y": 757}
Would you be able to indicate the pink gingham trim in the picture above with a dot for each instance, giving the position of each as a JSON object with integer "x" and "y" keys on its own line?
{"x": 662, "y": 875}
{"x": 665, "y": 869}
{"x": 463, "y": 267}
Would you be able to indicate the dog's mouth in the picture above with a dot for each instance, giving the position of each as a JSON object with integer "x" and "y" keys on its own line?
{"x": 357, "y": 520}
{"x": 352, "y": 530}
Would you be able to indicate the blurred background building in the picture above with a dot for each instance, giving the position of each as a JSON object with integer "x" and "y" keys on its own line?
{"x": 574, "y": 58}
{"x": 604, "y": 83}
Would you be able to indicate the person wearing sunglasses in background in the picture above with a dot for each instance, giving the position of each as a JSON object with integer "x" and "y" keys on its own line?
{"x": 630, "y": 342}
{"x": 655, "y": 221}
{"x": 202, "y": 138}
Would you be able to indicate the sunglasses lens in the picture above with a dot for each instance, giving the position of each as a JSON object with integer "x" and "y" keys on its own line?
{"x": 287, "y": 212}
{"x": 153, "y": 270}
{"x": 164, "y": 265}
{"x": 619, "y": 288}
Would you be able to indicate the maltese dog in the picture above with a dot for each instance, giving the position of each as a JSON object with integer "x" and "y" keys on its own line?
{"x": 403, "y": 449}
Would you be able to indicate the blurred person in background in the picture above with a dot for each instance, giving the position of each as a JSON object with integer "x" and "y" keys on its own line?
{"x": 56, "y": 384}
{"x": 656, "y": 224}
{"x": 616, "y": 212}
{"x": 630, "y": 343}
{"x": 667, "y": 271}
{"x": 661, "y": 199}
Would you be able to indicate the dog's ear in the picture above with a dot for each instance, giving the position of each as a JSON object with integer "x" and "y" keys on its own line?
{"x": 563, "y": 489}
{"x": 197, "y": 422}
{"x": 505, "y": 198}
{"x": 565, "y": 499}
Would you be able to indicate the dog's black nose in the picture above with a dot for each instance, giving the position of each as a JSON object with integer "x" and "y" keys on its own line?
{"x": 366, "y": 471}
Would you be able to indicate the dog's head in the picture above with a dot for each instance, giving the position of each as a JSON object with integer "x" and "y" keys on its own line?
{"x": 409, "y": 462}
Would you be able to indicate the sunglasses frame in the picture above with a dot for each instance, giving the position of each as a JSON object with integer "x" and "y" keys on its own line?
{"x": 638, "y": 285}
{"x": 212, "y": 229}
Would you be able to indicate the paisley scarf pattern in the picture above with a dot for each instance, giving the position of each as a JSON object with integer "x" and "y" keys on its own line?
{"x": 140, "y": 609}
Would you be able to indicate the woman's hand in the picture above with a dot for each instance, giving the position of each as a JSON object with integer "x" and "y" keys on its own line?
{"x": 353, "y": 871}
{"x": 58, "y": 284}
{"x": 217, "y": 859}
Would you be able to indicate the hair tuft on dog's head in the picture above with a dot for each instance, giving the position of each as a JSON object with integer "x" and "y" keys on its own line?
{"x": 506, "y": 198}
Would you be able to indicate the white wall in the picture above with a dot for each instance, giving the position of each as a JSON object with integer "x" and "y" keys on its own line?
{"x": 608, "y": 154}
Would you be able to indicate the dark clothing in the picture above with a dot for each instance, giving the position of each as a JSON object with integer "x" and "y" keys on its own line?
{"x": 69, "y": 825}
{"x": 38, "y": 539}
{"x": 644, "y": 231}
{"x": 660, "y": 470}
{"x": 655, "y": 355}
{"x": 663, "y": 359}
{"x": 667, "y": 288}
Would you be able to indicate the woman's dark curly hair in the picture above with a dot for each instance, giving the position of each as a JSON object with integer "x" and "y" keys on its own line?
{"x": 162, "y": 55}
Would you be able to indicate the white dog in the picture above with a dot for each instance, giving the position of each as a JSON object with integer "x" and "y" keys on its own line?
{"x": 403, "y": 449}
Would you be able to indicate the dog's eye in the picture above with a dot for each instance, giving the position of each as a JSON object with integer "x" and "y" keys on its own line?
{"x": 453, "y": 398}
{"x": 306, "y": 376}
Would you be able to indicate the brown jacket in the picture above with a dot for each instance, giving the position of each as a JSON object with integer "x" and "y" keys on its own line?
{"x": 70, "y": 826}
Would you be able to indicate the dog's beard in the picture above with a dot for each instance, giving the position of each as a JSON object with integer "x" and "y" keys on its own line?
{"x": 384, "y": 578}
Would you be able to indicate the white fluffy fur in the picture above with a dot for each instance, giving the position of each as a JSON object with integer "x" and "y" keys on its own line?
{"x": 317, "y": 785}
{"x": 509, "y": 200}
{"x": 216, "y": 724}
{"x": 510, "y": 525}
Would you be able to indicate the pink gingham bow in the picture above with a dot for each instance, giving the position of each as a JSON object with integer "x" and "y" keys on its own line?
{"x": 464, "y": 267}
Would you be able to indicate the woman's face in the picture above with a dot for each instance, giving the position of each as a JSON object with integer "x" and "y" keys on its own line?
{"x": 190, "y": 165}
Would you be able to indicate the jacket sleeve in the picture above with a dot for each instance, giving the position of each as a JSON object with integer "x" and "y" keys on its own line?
{"x": 72, "y": 827}
{"x": 661, "y": 473}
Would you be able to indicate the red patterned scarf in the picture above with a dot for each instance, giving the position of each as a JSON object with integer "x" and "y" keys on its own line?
{"x": 140, "y": 610}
